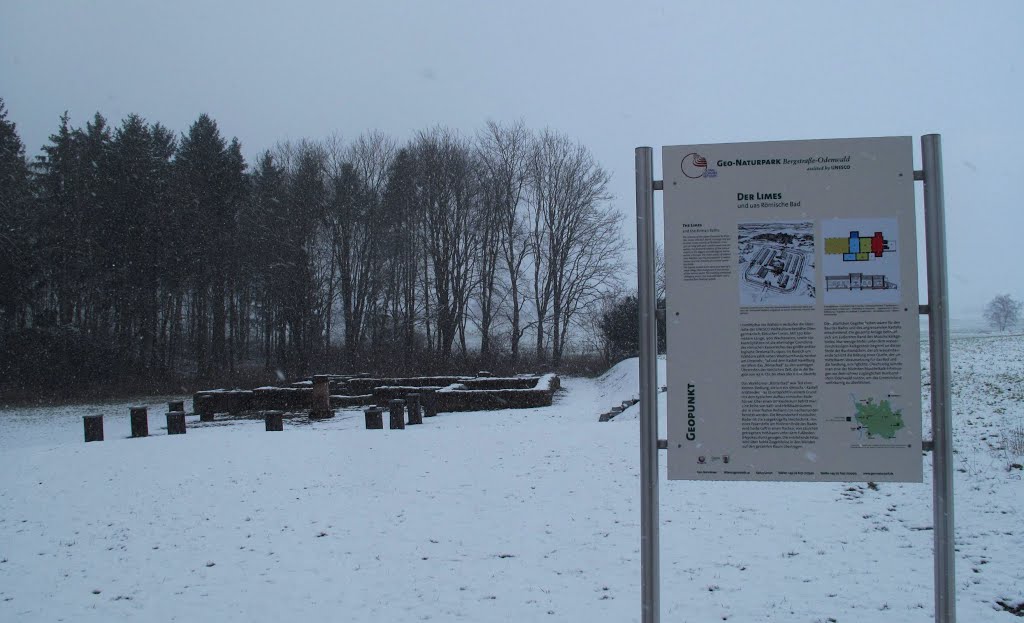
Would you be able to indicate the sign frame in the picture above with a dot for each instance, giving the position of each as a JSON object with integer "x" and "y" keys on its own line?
{"x": 792, "y": 311}
{"x": 937, "y": 310}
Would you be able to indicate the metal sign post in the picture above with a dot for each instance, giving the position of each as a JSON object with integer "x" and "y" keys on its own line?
{"x": 650, "y": 584}
{"x": 938, "y": 329}
{"x": 942, "y": 416}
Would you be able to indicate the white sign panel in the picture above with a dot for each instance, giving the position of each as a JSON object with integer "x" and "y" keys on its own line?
{"x": 793, "y": 336}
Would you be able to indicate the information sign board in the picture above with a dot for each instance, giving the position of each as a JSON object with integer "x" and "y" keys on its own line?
{"x": 792, "y": 308}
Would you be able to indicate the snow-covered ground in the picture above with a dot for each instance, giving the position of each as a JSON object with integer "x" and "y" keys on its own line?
{"x": 495, "y": 516}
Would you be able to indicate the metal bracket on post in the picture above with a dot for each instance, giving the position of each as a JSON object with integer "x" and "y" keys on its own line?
{"x": 938, "y": 340}
{"x": 650, "y": 574}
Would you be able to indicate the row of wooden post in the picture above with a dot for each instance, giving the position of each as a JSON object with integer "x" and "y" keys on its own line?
{"x": 274, "y": 420}
{"x": 93, "y": 424}
{"x": 397, "y": 410}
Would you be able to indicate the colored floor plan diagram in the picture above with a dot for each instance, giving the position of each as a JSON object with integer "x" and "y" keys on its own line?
{"x": 857, "y": 248}
{"x": 861, "y": 261}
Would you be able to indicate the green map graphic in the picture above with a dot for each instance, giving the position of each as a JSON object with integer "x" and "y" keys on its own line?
{"x": 879, "y": 419}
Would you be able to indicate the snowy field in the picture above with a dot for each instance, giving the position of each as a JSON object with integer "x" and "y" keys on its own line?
{"x": 528, "y": 515}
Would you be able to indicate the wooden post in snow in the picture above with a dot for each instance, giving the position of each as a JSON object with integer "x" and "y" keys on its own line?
{"x": 429, "y": 399}
{"x": 93, "y": 427}
{"x": 176, "y": 423}
{"x": 140, "y": 422}
{"x": 274, "y": 420}
{"x": 374, "y": 418}
{"x": 415, "y": 417}
{"x": 397, "y": 414}
{"x": 321, "y": 398}
{"x": 203, "y": 405}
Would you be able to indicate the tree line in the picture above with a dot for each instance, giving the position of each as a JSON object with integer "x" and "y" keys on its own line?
{"x": 132, "y": 250}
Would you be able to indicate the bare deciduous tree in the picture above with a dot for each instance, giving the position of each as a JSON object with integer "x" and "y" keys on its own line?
{"x": 1002, "y": 312}
{"x": 504, "y": 152}
{"x": 359, "y": 176}
{"x": 446, "y": 200}
{"x": 575, "y": 236}
{"x": 405, "y": 225}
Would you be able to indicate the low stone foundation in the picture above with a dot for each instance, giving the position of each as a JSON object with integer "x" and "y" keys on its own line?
{"x": 481, "y": 393}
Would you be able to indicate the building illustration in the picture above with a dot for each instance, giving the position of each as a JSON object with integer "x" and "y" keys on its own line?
{"x": 776, "y": 263}
{"x": 858, "y": 281}
{"x": 775, "y": 268}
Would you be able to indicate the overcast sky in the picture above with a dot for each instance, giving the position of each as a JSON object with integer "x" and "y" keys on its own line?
{"x": 614, "y": 75}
